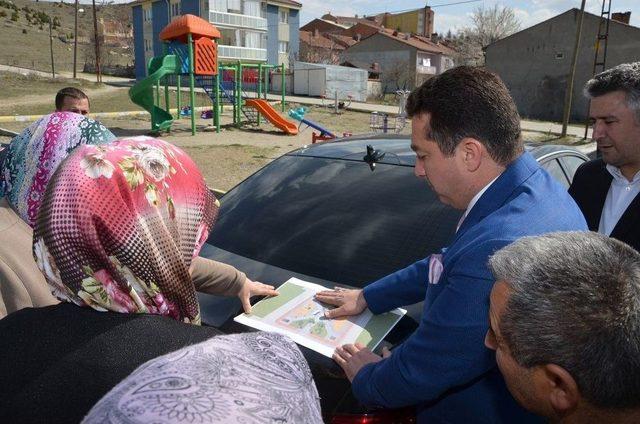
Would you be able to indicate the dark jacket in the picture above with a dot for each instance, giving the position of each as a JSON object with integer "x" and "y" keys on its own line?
{"x": 589, "y": 189}
{"x": 57, "y": 362}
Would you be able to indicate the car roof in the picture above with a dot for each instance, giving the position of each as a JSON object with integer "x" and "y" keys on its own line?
{"x": 398, "y": 151}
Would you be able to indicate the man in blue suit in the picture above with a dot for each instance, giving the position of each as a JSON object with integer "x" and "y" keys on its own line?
{"x": 466, "y": 136}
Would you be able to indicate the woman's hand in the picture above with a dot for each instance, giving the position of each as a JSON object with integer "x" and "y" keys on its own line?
{"x": 254, "y": 288}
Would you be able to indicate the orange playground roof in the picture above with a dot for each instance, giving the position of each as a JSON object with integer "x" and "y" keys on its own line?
{"x": 183, "y": 25}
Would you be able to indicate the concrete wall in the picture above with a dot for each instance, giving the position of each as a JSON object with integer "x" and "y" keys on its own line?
{"x": 138, "y": 42}
{"x": 374, "y": 89}
{"x": 388, "y": 53}
{"x": 419, "y": 21}
{"x": 535, "y": 63}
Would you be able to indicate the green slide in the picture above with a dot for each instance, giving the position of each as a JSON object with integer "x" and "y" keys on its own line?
{"x": 142, "y": 93}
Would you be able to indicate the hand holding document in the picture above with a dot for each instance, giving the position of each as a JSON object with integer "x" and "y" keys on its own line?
{"x": 298, "y": 314}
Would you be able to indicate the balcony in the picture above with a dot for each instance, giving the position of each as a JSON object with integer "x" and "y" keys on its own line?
{"x": 242, "y": 53}
{"x": 234, "y": 20}
{"x": 431, "y": 70}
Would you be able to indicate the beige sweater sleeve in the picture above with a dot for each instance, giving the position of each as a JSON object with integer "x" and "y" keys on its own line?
{"x": 213, "y": 277}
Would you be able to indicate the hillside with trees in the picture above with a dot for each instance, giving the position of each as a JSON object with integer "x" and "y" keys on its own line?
{"x": 24, "y": 34}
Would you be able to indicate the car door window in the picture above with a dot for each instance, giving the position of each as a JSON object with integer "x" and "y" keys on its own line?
{"x": 552, "y": 166}
{"x": 571, "y": 164}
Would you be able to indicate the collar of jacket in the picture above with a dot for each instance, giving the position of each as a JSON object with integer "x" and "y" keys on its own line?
{"x": 516, "y": 173}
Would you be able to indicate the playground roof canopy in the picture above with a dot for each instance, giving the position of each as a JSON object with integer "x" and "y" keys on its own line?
{"x": 183, "y": 25}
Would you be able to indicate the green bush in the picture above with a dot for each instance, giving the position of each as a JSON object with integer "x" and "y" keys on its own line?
{"x": 24, "y": 31}
{"x": 14, "y": 16}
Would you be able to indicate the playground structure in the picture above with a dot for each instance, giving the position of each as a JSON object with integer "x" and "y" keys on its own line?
{"x": 190, "y": 50}
{"x": 380, "y": 121}
{"x": 325, "y": 134}
{"x": 337, "y": 103}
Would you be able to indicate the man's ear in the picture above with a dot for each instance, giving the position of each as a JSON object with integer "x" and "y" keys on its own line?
{"x": 562, "y": 389}
{"x": 472, "y": 151}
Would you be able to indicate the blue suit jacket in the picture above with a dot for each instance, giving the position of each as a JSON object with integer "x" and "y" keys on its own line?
{"x": 444, "y": 367}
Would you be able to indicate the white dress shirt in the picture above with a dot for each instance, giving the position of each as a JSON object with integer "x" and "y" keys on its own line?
{"x": 474, "y": 200}
{"x": 620, "y": 195}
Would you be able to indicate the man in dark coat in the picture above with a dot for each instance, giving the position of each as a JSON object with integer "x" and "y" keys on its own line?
{"x": 606, "y": 189}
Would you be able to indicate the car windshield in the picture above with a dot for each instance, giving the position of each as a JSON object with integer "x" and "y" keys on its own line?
{"x": 333, "y": 219}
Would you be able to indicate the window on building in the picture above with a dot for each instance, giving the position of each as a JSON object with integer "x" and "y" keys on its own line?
{"x": 234, "y": 6}
{"x": 252, "y": 39}
{"x": 283, "y": 47}
{"x": 284, "y": 16}
{"x": 251, "y": 8}
{"x": 175, "y": 9}
{"x": 559, "y": 55}
{"x": 146, "y": 15}
{"x": 220, "y": 5}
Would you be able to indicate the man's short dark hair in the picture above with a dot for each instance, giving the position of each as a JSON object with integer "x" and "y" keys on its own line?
{"x": 574, "y": 301}
{"x": 69, "y": 92}
{"x": 625, "y": 78}
{"x": 470, "y": 102}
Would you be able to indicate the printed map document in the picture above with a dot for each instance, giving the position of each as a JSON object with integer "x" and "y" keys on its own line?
{"x": 295, "y": 313}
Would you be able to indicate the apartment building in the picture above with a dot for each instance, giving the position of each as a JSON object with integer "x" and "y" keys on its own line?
{"x": 253, "y": 31}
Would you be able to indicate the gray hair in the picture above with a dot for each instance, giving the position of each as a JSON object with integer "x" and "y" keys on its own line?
{"x": 574, "y": 301}
{"x": 625, "y": 78}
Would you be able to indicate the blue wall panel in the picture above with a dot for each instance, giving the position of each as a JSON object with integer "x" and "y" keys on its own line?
{"x": 160, "y": 20}
{"x": 294, "y": 33}
{"x": 190, "y": 7}
{"x": 272, "y": 34}
{"x": 138, "y": 43}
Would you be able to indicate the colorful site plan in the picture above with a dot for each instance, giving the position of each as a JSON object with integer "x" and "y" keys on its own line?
{"x": 295, "y": 313}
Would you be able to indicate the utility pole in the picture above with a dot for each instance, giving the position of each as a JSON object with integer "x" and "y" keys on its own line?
{"x": 75, "y": 42}
{"x": 53, "y": 68}
{"x": 97, "y": 43}
{"x": 568, "y": 94}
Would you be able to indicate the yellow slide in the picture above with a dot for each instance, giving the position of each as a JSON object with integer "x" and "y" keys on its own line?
{"x": 272, "y": 115}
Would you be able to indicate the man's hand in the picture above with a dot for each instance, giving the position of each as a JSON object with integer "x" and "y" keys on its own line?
{"x": 254, "y": 288}
{"x": 352, "y": 358}
{"x": 348, "y": 302}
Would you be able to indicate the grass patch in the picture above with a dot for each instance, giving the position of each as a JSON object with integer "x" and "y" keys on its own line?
{"x": 225, "y": 166}
{"x": 35, "y": 95}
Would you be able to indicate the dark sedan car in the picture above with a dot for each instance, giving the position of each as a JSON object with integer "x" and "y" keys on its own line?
{"x": 325, "y": 215}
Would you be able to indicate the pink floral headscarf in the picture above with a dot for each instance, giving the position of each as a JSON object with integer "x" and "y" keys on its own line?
{"x": 119, "y": 226}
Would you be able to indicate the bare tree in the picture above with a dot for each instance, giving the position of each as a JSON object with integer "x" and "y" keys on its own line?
{"x": 397, "y": 76}
{"x": 317, "y": 54}
{"x": 488, "y": 25}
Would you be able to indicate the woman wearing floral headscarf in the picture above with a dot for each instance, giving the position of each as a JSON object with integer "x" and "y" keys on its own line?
{"x": 116, "y": 234}
{"x": 30, "y": 160}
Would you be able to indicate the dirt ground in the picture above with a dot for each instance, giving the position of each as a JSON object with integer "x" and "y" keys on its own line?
{"x": 226, "y": 158}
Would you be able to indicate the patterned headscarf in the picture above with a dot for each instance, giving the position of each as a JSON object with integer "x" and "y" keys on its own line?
{"x": 119, "y": 226}
{"x": 34, "y": 155}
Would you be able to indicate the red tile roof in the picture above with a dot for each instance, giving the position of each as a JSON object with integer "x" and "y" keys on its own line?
{"x": 319, "y": 41}
{"x": 419, "y": 42}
